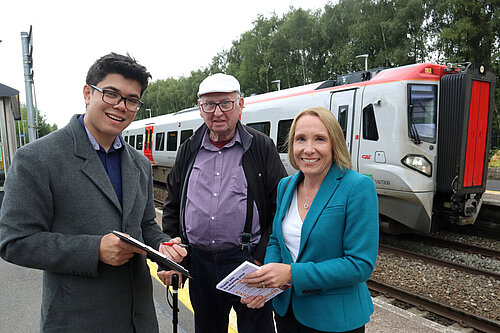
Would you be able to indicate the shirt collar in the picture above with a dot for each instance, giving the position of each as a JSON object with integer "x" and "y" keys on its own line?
{"x": 205, "y": 142}
{"x": 117, "y": 144}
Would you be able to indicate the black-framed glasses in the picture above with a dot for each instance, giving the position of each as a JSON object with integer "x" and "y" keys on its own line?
{"x": 113, "y": 98}
{"x": 225, "y": 106}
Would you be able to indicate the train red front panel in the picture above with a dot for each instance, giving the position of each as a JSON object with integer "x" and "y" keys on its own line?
{"x": 148, "y": 144}
{"x": 476, "y": 136}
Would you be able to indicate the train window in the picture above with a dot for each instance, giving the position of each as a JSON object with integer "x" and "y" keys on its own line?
{"x": 172, "y": 141}
{"x": 186, "y": 134}
{"x": 131, "y": 140}
{"x": 283, "y": 130}
{"x": 125, "y": 138}
{"x": 264, "y": 127}
{"x": 370, "y": 131}
{"x": 160, "y": 141}
{"x": 343, "y": 110}
{"x": 422, "y": 110}
{"x": 139, "y": 142}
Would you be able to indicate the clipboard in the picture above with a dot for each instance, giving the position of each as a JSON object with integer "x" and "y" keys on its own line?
{"x": 156, "y": 256}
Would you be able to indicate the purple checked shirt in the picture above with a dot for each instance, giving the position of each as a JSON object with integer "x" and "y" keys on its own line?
{"x": 216, "y": 198}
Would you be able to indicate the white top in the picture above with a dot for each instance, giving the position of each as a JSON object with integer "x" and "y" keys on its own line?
{"x": 292, "y": 226}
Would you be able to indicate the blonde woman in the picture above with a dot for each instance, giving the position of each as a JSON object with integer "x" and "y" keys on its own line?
{"x": 325, "y": 234}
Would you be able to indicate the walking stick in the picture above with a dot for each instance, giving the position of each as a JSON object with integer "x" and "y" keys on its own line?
{"x": 175, "y": 301}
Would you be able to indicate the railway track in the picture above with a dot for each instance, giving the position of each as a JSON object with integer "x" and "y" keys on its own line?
{"x": 437, "y": 261}
{"x": 465, "y": 318}
{"x": 451, "y": 244}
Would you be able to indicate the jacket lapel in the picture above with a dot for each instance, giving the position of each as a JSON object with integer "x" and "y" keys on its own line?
{"x": 325, "y": 192}
{"x": 130, "y": 182}
{"x": 92, "y": 166}
{"x": 286, "y": 201}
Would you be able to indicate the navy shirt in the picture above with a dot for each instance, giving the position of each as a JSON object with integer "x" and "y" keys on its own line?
{"x": 111, "y": 160}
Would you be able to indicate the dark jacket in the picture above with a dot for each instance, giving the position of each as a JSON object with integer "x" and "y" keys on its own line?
{"x": 263, "y": 170}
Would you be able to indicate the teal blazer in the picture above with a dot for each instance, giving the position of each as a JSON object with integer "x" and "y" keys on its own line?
{"x": 337, "y": 253}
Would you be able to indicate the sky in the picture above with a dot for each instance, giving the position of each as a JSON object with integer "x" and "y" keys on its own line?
{"x": 170, "y": 38}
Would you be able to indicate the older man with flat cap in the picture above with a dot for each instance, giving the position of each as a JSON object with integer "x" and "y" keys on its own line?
{"x": 221, "y": 201}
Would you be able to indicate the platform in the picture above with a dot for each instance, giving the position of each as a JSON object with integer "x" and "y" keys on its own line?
{"x": 20, "y": 292}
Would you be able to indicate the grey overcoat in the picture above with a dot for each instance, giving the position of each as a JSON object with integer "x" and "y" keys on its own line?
{"x": 58, "y": 204}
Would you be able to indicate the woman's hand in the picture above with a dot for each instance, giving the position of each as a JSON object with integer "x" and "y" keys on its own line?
{"x": 272, "y": 275}
{"x": 254, "y": 302}
{"x": 268, "y": 276}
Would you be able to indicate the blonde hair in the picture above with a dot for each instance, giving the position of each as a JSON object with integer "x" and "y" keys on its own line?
{"x": 340, "y": 153}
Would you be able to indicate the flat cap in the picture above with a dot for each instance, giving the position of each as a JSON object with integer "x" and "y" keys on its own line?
{"x": 219, "y": 83}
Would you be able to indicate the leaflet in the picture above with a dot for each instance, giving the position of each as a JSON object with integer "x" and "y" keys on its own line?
{"x": 232, "y": 283}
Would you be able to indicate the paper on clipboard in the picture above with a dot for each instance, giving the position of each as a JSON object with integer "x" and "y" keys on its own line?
{"x": 153, "y": 254}
{"x": 232, "y": 283}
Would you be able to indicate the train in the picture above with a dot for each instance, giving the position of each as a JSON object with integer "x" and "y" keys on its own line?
{"x": 421, "y": 132}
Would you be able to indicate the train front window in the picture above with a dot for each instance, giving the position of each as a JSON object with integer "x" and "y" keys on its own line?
{"x": 422, "y": 110}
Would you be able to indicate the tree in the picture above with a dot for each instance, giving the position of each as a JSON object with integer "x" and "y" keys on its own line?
{"x": 465, "y": 30}
{"x": 43, "y": 129}
{"x": 248, "y": 58}
{"x": 389, "y": 31}
{"x": 303, "y": 46}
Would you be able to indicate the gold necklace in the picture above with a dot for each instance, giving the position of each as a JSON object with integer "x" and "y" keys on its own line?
{"x": 306, "y": 204}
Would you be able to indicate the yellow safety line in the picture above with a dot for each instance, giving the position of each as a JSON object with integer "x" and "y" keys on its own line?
{"x": 183, "y": 292}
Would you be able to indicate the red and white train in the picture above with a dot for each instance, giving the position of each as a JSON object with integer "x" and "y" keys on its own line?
{"x": 421, "y": 132}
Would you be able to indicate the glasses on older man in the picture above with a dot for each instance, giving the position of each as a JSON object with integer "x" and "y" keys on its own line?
{"x": 113, "y": 98}
{"x": 225, "y": 106}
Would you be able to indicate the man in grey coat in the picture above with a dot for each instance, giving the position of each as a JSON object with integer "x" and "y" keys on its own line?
{"x": 65, "y": 192}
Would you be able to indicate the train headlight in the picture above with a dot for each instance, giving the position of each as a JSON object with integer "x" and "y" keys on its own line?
{"x": 418, "y": 163}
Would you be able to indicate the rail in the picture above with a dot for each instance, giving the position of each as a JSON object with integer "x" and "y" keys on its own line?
{"x": 463, "y": 317}
{"x": 440, "y": 262}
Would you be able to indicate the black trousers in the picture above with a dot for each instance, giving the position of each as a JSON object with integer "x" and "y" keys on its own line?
{"x": 212, "y": 306}
{"x": 289, "y": 324}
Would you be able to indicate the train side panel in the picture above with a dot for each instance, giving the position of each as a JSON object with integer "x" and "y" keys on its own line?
{"x": 390, "y": 124}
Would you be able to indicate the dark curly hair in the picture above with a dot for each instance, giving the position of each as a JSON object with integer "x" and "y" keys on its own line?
{"x": 115, "y": 63}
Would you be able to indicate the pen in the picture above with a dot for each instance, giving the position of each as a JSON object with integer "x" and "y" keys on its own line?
{"x": 171, "y": 244}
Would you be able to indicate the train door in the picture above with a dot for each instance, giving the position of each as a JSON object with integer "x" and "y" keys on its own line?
{"x": 148, "y": 143}
{"x": 342, "y": 105}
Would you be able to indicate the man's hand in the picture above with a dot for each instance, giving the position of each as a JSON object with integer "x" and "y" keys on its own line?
{"x": 166, "y": 277}
{"x": 116, "y": 252}
{"x": 174, "y": 252}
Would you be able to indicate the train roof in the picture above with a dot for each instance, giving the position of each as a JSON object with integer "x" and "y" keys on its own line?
{"x": 282, "y": 93}
{"x": 423, "y": 71}
{"x": 185, "y": 114}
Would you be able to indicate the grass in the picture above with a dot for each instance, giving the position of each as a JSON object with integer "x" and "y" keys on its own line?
{"x": 495, "y": 158}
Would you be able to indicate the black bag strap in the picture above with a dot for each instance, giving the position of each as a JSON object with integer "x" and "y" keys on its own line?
{"x": 247, "y": 231}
